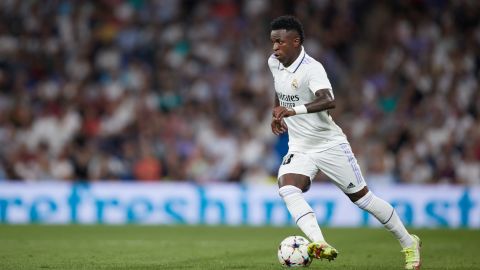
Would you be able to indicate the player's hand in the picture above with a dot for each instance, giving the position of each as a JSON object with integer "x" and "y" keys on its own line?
{"x": 278, "y": 126}
{"x": 281, "y": 112}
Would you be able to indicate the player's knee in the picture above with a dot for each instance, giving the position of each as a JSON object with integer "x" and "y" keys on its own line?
{"x": 288, "y": 190}
{"x": 354, "y": 197}
{"x": 297, "y": 180}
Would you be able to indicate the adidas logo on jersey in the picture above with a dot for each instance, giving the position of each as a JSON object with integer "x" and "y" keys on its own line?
{"x": 351, "y": 185}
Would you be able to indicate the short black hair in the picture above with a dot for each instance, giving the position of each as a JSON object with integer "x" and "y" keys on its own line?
{"x": 288, "y": 22}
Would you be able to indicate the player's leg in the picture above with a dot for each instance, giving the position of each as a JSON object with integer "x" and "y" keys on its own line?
{"x": 386, "y": 214}
{"x": 383, "y": 212}
{"x": 294, "y": 178}
{"x": 291, "y": 187}
{"x": 340, "y": 165}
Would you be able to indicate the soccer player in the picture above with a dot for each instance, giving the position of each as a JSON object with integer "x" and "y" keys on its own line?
{"x": 303, "y": 97}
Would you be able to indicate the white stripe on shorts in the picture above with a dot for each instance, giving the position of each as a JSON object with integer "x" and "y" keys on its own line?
{"x": 353, "y": 162}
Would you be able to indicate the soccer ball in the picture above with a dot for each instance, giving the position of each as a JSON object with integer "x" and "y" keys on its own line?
{"x": 292, "y": 252}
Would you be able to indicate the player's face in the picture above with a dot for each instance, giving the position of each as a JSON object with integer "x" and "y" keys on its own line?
{"x": 285, "y": 45}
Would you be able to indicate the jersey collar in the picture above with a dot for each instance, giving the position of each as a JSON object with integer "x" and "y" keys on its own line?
{"x": 296, "y": 64}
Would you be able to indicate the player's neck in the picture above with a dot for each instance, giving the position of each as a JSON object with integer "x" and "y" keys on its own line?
{"x": 297, "y": 54}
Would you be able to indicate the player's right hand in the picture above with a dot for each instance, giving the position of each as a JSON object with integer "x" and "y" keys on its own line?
{"x": 278, "y": 126}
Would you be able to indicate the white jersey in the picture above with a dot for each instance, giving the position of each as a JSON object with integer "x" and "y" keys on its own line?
{"x": 296, "y": 85}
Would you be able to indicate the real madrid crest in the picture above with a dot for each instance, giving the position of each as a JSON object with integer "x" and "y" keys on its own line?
{"x": 294, "y": 84}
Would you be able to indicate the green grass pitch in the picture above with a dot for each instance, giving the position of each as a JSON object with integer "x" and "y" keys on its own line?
{"x": 210, "y": 248}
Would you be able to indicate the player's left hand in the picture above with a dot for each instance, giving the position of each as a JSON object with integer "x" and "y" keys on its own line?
{"x": 282, "y": 112}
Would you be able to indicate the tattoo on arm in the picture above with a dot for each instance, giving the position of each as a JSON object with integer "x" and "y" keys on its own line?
{"x": 324, "y": 101}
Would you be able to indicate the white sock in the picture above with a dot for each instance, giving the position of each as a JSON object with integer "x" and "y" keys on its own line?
{"x": 301, "y": 212}
{"x": 386, "y": 214}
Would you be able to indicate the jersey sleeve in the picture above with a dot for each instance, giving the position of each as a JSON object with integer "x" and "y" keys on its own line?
{"x": 318, "y": 79}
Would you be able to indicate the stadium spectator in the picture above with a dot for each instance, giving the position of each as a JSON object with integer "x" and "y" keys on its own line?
{"x": 84, "y": 83}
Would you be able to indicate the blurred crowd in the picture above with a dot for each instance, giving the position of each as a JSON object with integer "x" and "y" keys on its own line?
{"x": 136, "y": 90}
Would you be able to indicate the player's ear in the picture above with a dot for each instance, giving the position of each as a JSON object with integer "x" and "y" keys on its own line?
{"x": 296, "y": 42}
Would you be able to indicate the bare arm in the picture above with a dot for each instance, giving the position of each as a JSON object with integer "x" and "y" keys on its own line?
{"x": 324, "y": 101}
{"x": 276, "y": 101}
{"x": 277, "y": 125}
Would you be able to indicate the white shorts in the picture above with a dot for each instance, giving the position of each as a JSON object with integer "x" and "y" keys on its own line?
{"x": 338, "y": 163}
